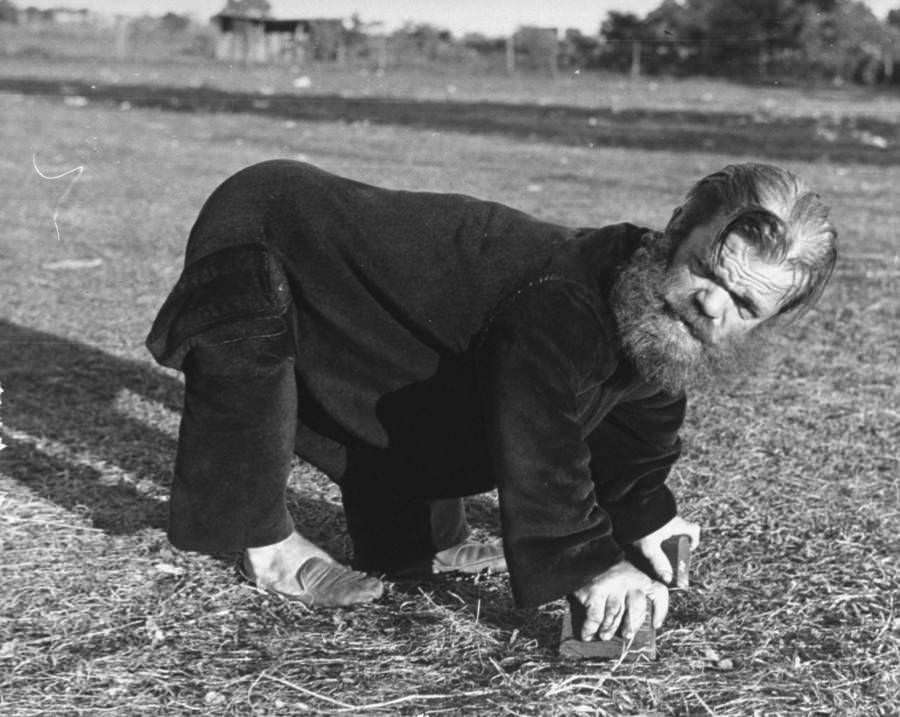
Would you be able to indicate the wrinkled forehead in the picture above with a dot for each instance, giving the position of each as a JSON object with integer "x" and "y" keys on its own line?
{"x": 771, "y": 282}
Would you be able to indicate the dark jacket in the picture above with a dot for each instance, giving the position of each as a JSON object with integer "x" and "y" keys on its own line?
{"x": 442, "y": 345}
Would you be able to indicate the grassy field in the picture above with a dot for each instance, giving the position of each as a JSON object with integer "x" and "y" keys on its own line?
{"x": 793, "y": 471}
{"x": 574, "y": 88}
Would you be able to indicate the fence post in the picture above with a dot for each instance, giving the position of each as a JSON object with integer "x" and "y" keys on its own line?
{"x": 554, "y": 55}
{"x": 382, "y": 54}
{"x": 635, "y": 59}
{"x": 121, "y": 30}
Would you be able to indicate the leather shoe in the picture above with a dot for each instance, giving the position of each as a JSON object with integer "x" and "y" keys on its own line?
{"x": 326, "y": 583}
{"x": 470, "y": 557}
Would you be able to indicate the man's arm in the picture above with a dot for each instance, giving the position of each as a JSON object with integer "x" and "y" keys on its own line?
{"x": 537, "y": 353}
{"x": 632, "y": 453}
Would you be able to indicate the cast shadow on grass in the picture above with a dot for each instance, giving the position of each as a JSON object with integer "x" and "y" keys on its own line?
{"x": 72, "y": 417}
{"x": 96, "y": 435}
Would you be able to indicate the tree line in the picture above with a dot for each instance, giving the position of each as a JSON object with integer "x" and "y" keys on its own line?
{"x": 826, "y": 40}
{"x": 822, "y": 40}
{"x": 833, "y": 40}
{"x": 837, "y": 41}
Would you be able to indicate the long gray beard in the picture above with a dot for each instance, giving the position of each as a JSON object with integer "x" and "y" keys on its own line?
{"x": 664, "y": 352}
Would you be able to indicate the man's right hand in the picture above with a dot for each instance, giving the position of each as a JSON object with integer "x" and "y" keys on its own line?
{"x": 621, "y": 592}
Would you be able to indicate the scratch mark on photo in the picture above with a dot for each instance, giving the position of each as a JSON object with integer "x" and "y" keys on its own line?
{"x": 76, "y": 173}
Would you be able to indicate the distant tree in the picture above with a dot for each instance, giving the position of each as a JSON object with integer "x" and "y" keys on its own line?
{"x": 247, "y": 8}
{"x": 891, "y": 53}
{"x": 8, "y": 12}
{"x": 893, "y": 18}
{"x": 423, "y": 40}
{"x": 748, "y": 37}
{"x": 730, "y": 37}
{"x": 174, "y": 23}
{"x": 578, "y": 50}
{"x": 839, "y": 39}
{"x": 623, "y": 33}
{"x": 849, "y": 43}
{"x": 425, "y": 32}
{"x": 676, "y": 35}
{"x": 483, "y": 44}
{"x": 621, "y": 26}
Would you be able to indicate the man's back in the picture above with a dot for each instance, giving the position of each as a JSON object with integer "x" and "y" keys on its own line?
{"x": 388, "y": 294}
{"x": 433, "y": 263}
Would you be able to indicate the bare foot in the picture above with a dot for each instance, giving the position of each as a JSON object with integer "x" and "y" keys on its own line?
{"x": 298, "y": 569}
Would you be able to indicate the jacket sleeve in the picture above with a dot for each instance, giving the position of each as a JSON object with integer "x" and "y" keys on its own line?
{"x": 536, "y": 353}
{"x": 632, "y": 452}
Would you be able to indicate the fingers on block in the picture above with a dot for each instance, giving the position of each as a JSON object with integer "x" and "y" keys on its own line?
{"x": 642, "y": 646}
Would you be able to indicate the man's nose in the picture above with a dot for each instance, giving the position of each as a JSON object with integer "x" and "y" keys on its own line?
{"x": 712, "y": 301}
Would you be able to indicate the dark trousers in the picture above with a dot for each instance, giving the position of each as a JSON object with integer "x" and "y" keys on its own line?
{"x": 235, "y": 446}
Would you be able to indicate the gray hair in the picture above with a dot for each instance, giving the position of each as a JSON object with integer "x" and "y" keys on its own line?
{"x": 773, "y": 210}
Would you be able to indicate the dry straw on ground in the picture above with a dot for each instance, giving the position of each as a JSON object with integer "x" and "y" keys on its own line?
{"x": 792, "y": 471}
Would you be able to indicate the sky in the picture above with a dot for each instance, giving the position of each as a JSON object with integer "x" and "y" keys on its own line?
{"x": 491, "y": 17}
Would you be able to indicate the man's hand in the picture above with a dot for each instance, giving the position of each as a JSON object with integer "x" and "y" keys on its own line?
{"x": 650, "y": 545}
{"x": 623, "y": 590}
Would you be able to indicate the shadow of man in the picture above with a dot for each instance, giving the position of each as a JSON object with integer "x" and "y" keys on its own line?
{"x": 96, "y": 434}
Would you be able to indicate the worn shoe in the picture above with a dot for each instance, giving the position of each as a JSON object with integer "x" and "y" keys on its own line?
{"x": 470, "y": 557}
{"x": 327, "y": 584}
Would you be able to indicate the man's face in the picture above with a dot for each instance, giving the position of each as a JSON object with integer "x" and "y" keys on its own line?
{"x": 684, "y": 316}
{"x": 723, "y": 298}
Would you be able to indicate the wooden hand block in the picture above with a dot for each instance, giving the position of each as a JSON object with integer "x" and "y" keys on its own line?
{"x": 643, "y": 646}
{"x": 678, "y": 551}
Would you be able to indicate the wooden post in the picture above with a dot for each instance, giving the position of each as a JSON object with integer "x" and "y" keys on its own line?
{"x": 341, "y": 52}
{"x": 242, "y": 42}
{"x": 763, "y": 61}
{"x": 223, "y": 45}
{"x": 382, "y": 54}
{"x": 554, "y": 54}
{"x": 635, "y": 58}
{"x": 122, "y": 26}
{"x": 258, "y": 43}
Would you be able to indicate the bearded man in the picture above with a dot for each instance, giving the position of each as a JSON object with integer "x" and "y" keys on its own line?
{"x": 422, "y": 347}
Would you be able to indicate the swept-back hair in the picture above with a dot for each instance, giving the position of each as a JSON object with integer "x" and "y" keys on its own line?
{"x": 775, "y": 212}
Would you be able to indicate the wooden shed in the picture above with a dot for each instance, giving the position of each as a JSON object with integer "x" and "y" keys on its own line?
{"x": 270, "y": 40}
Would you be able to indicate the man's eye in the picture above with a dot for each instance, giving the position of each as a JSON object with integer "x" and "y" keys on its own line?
{"x": 700, "y": 267}
{"x": 745, "y": 310}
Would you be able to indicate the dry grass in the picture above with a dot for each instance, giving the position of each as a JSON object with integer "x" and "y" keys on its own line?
{"x": 792, "y": 472}
{"x": 573, "y": 88}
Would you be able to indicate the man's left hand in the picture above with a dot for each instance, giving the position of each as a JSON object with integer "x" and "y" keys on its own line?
{"x": 651, "y": 545}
